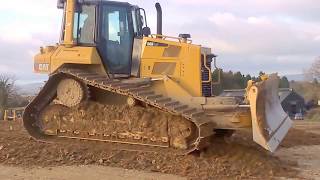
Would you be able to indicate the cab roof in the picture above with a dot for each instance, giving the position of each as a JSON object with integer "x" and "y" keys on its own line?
{"x": 60, "y": 3}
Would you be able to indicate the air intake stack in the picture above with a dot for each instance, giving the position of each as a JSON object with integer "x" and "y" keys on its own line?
{"x": 159, "y": 19}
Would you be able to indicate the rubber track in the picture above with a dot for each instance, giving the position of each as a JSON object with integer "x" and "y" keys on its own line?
{"x": 137, "y": 90}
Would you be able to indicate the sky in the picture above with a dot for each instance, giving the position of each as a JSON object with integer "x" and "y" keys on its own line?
{"x": 247, "y": 35}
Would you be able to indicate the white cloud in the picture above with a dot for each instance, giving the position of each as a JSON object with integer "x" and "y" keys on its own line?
{"x": 317, "y": 38}
{"x": 222, "y": 19}
{"x": 258, "y": 20}
{"x": 5, "y": 69}
{"x": 284, "y": 44}
{"x": 28, "y": 25}
{"x": 33, "y": 8}
{"x": 305, "y": 8}
{"x": 23, "y": 32}
{"x": 248, "y": 35}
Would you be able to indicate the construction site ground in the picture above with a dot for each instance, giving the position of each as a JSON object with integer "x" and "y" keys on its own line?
{"x": 21, "y": 157}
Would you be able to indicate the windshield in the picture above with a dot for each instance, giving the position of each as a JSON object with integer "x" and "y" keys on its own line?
{"x": 84, "y": 25}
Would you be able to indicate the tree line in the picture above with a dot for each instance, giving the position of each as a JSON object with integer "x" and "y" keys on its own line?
{"x": 9, "y": 97}
{"x": 237, "y": 80}
{"x": 310, "y": 88}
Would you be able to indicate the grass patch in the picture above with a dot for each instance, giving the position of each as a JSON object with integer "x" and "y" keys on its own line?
{"x": 313, "y": 115}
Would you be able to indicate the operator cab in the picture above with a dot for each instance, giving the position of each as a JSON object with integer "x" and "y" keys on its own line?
{"x": 112, "y": 27}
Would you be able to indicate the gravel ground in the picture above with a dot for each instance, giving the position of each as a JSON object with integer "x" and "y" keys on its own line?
{"x": 237, "y": 157}
{"x": 91, "y": 172}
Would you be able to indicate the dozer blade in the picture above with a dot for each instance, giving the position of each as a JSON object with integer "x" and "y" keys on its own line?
{"x": 270, "y": 123}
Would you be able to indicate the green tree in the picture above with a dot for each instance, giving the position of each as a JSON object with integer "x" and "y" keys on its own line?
{"x": 239, "y": 80}
{"x": 261, "y": 73}
{"x": 248, "y": 77}
{"x": 217, "y": 86}
{"x": 6, "y": 90}
{"x": 229, "y": 80}
{"x": 284, "y": 82}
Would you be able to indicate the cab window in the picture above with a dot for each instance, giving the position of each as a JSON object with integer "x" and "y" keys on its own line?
{"x": 84, "y": 25}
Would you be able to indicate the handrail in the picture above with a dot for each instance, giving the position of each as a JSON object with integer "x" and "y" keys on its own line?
{"x": 164, "y": 37}
{"x": 205, "y": 65}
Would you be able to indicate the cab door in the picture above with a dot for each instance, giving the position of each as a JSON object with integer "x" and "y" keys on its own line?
{"x": 116, "y": 39}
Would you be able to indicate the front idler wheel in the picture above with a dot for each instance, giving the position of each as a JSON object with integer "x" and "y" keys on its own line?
{"x": 71, "y": 92}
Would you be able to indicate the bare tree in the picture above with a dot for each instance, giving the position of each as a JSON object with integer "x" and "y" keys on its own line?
{"x": 6, "y": 90}
{"x": 315, "y": 68}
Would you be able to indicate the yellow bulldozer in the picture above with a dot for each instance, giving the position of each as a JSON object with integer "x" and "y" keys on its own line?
{"x": 13, "y": 114}
{"x": 111, "y": 80}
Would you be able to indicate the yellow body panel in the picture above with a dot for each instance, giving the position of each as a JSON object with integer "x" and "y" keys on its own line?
{"x": 54, "y": 57}
{"x": 180, "y": 61}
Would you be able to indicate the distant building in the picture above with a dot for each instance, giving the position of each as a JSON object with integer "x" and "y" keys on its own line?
{"x": 292, "y": 103}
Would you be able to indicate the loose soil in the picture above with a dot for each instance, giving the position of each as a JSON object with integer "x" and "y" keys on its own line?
{"x": 236, "y": 157}
{"x": 91, "y": 172}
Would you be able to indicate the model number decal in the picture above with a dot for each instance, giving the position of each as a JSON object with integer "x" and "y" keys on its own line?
{"x": 156, "y": 44}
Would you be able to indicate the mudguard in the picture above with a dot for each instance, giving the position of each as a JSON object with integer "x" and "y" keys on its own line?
{"x": 270, "y": 123}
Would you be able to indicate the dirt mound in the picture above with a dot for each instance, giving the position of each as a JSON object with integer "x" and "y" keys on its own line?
{"x": 237, "y": 157}
{"x": 301, "y": 138}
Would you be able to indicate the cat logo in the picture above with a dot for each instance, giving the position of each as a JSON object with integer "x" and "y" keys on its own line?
{"x": 41, "y": 67}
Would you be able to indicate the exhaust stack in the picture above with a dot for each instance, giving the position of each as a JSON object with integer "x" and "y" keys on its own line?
{"x": 159, "y": 18}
